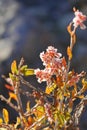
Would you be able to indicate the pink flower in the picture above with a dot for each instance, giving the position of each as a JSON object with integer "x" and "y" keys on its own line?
{"x": 43, "y": 75}
{"x": 49, "y": 55}
{"x": 79, "y": 19}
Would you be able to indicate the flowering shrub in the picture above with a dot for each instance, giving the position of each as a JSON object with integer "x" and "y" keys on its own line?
{"x": 53, "y": 109}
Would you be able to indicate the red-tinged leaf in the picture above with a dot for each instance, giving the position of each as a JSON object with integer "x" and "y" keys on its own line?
{"x": 12, "y": 96}
{"x": 9, "y": 87}
{"x": 14, "y": 67}
{"x": 30, "y": 120}
{"x": 64, "y": 62}
{"x": 59, "y": 81}
{"x": 69, "y": 53}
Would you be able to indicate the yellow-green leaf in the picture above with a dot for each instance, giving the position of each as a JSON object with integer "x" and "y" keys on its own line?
{"x": 5, "y": 116}
{"x": 14, "y": 67}
{"x": 28, "y": 72}
{"x": 67, "y": 116}
{"x": 39, "y": 111}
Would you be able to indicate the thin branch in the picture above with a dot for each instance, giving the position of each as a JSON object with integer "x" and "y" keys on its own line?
{"x": 7, "y": 127}
{"x": 19, "y": 103}
{"x": 28, "y": 94}
{"x": 26, "y": 114}
{"x": 36, "y": 89}
{"x": 68, "y": 67}
{"x": 9, "y": 103}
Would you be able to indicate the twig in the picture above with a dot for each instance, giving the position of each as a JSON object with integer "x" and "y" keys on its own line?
{"x": 26, "y": 114}
{"x": 19, "y": 103}
{"x": 68, "y": 67}
{"x": 7, "y": 127}
{"x": 9, "y": 103}
{"x": 36, "y": 89}
{"x": 28, "y": 94}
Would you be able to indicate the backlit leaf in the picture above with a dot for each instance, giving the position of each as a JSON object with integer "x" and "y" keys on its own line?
{"x": 12, "y": 96}
{"x": 18, "y": 122}
{"x": 28, "y": 107}
{"x": 51, "y": 88}
{"x": 80, "y": 96}
{"x": 30, "y": 120}
{"x": 39, "y": 111}
{"x": 14, "y": 67}
{"x": 26, "y": 71}
{"x": 9, "y": 87}
{"x": 73, "y": 38}
{"x": 67, "y": 116}
{"x": 84, "y": 84}
{"x": 5, "y": 115}
{"x": 1, "y": 121}
{"x": 69, "y": 53}
{"x": 29, "y": 72}
{"x": 69, "y": 28}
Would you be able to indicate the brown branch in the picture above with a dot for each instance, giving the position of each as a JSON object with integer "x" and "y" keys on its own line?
{"x": 34, "y": 88}
{"x": 7, "y": 127}
{"x": 9, "y": 103}
{"x": 19, "y": 103}
{"x": 26, "y": 114}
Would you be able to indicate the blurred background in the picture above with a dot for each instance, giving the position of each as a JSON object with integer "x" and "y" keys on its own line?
{"x": 28, "y": 27}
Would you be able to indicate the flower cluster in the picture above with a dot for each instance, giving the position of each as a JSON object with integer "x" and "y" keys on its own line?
{"x": 54, "y": 65}
{"x": 79, "y": 19}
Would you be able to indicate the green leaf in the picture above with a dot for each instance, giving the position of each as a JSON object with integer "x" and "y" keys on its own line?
{"x": 67, "y": 116}
{"x": 28, "y": 72}
{"x": 23, "y": 67}
{"x": 61, "y": 119}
